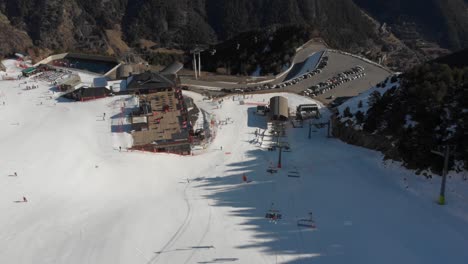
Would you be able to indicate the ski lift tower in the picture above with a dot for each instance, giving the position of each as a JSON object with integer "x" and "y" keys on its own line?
{"x": 196, "y": 52}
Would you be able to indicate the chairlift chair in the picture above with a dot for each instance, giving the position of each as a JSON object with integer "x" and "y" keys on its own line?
{"x": 273, "y": 214}
{"x": 294, "y": 174}
{"x": 272, "y": 170}
{"x": 307, "y": 222}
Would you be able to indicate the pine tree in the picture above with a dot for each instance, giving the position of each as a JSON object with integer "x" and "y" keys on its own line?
{"x": 359, "y": 117}
{"x": 347, "y": 112}
{"x": 374, "y": 98}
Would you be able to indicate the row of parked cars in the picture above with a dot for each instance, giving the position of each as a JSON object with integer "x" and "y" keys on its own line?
{"x": 322, "y": 64}
{"x": 297, "y": 79}
{"x": 346, "y": 76}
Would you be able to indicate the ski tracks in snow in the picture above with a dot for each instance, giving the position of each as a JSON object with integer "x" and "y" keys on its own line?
{"x": 179, "y": 232}
{"x": 207, "y": 229}
{"x": 183, "y": 228}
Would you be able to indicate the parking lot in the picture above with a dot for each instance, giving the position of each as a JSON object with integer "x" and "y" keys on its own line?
{"x": 332, "y": 67}
{"x": 334, "y": 82}
{"x": 338, "y": 64}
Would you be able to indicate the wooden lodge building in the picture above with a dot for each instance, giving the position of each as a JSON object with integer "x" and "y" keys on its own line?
{"x": 160, "y": 124}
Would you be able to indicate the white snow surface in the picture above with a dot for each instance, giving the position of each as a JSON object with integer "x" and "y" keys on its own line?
{"x": 90, "y": 203}
{"x": 11, "y": 68}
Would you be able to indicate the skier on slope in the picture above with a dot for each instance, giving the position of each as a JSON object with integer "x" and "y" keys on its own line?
{"x": 25, "y": 200}
{"x": 274, "y": 217}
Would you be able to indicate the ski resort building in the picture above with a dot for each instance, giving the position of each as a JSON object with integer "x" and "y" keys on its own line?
{"x": 150, "y": 82}
{"x": 160, "y": 124}
{"x": 88, "y": 93}
{"x": 69, "y": 83}
{"x": 29, "y": 71}
{"x": 103, "y": 65}
{"x": 279, "y": 109}
{"x": 306, "y": 111}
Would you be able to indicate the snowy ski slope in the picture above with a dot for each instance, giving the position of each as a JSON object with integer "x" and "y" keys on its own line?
{"x": 90, "y": 203}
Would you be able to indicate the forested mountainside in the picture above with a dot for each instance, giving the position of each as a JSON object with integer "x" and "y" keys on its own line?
{"x": 145, "y": 26}
{"x": 426, "y": 110}
{"x": 458, "y": 59}
{"x": 441, "y": 21}
{"x": 64, "y": 24}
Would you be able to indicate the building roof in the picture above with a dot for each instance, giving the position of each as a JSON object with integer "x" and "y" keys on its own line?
{"x": 174, "y": 68}
{"x": 100, "y": 82}
{"x": 165, "y": 125}
{"x": 94, "y": 91}
{"x": 29, "y": 70}
{"x": 72, "y": 80}
{"x": 87, "y": 92}
{"x": 279, "y": 108}
{"x": 148, "y": 81}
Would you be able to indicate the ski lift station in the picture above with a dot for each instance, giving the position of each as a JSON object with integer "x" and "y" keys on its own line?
{"x": 279, "y": 109}
{"x": 306, "y": 111}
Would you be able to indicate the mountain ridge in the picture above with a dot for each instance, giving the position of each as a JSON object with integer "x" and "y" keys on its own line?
{"x": 83, "y": 25}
